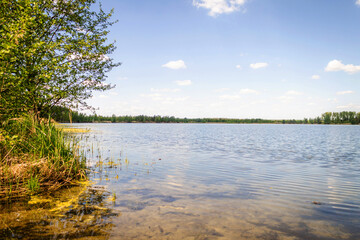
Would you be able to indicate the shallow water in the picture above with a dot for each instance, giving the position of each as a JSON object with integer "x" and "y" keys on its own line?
{"x": 218, "y": 181}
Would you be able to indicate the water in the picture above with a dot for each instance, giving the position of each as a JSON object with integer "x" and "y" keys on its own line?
{"x": 220, "y": 181}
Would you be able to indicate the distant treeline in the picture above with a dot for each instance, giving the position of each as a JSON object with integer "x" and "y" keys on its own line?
{"x": 64, "y": 115}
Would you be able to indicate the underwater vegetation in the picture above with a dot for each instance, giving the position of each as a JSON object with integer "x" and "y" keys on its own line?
{"x": 79, "y": 212}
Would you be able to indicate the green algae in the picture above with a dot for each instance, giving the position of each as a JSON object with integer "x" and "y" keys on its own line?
{"x": 76, "y": 212}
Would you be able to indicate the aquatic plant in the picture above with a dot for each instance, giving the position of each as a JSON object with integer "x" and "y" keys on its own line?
{"x": 33, "y": 184}
{"x": 79, "y": 212}
{"x": 36, "y": 156}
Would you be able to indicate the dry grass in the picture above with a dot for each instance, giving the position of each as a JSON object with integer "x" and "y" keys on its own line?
{"x": 18, "y": 172}
{"x": 36, "y": 157}
{"x": 75, "y": 130}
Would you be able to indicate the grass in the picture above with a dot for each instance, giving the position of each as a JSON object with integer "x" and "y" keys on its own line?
{"x": 75, "y": 130}
{"x": 35, "y": 157}
{"x": 66, "y": 129}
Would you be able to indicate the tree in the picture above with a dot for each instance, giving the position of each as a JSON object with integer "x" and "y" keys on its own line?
{"x": 326, "y": 117}
{"x": 52, "y": 53}
{"x": 352, "y": 116}
{"x": 357, "y": 121}
{"x": 336, "y": 117}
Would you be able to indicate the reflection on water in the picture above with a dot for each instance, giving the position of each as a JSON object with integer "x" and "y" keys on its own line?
{"x": 208, "y": 181}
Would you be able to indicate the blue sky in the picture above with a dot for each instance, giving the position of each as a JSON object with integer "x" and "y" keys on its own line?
{"x": 269, "y": 59}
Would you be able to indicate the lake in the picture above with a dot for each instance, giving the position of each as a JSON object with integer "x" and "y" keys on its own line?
{"x": 218, "y": 181}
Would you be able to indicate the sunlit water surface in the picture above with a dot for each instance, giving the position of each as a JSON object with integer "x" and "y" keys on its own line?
{"x": 219, "y": 181}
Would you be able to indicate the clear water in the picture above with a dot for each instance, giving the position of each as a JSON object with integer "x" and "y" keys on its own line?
{"x": 232, "y": 181}
{"x": 220, "y": 181}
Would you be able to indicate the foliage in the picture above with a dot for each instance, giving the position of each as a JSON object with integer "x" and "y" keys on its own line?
{"x": 36, "y": 156}
{"x": 52, "y": 53}
{"x": 345, "y": 117}
{"x": 33, "y": 184}
{"x": 62, "y": 115}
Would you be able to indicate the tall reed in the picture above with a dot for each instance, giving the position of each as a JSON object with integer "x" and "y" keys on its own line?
{"x": 35, "y": 156}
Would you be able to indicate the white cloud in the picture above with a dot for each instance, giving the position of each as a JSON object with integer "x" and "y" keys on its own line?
{"x": 258, "y": 65}
{"x": 153, "y": 96}
{"x": 289, "y": 95}
{"x": 332, "y": 100}
{"x": 182, "y": 98}
{"x": 103, "y": 96}
{"x": 315, "y": 77}
{"x": 258, "y": 102}
{"x": 336, "y": 65}
{"x": 248, "y": 91}
{"x": 165, "y": 90}
{"x": 344, "y": 92}
{"x": 357, "y": 2}
{"x": 175, "y": 65}
{"x": 350, "y": 106}
{"x": 238, "y": 95}
{"x": 238, "y": 66}
{"x": 217, "y": 7}
{"x": 220, "y": 90}
{"x": 293, "y": 93}
{"x": 230, "y": 97}
{"x": 164, "y": 99}
{"x": 171, "y": 100}
{"x": 184, "y": 82}
{"x": 112, "y": 93}
{"x": 285, "y": 98}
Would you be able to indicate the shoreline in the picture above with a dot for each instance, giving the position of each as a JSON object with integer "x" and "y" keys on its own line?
{"x": 243, "y": 123}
